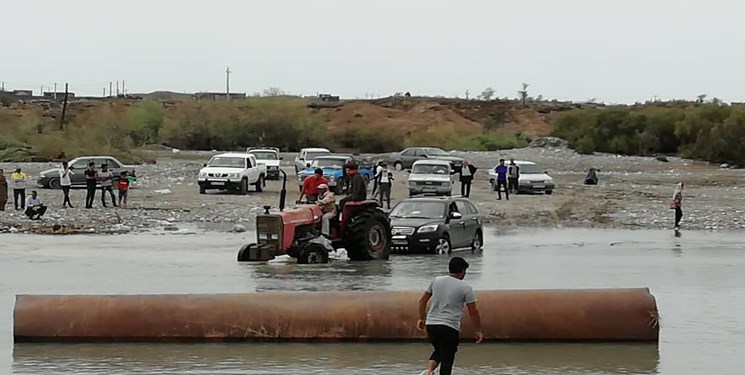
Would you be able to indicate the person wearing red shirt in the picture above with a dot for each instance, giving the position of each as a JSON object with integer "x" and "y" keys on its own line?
{"x": 310, "y": 186}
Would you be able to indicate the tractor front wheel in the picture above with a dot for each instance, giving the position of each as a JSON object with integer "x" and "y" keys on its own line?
{"x": 313, "y": 253}
{"x": 368, "y": 236}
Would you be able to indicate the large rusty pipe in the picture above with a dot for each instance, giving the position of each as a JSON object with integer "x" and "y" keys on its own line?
{"x": 520, "y": 315}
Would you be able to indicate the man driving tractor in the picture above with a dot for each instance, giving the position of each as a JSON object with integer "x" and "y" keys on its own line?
{"x": 358, "y": 189}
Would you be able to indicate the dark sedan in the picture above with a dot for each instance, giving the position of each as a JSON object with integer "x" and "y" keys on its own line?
{"x": 406, "y": 158}
{"x": 435, "y": 225}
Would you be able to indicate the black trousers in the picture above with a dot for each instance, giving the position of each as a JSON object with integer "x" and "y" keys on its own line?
{"x": 500, "y": 185}
{"x": 512, "y": 184}
{"x": 104, "y": 189}
{"x": 90, "y": 195}
{"x": 445, "y": 343}
{"x": 36, "y": 212}
{"x": 678, "y": 216}
{"x": 19, "y": 193}
{"x": 385, "y": 193}
{"x": 465, "y": 187}
{"x": 66, "y": 200}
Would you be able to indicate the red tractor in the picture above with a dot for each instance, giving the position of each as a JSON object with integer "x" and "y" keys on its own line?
{"x": 364, "y": 231}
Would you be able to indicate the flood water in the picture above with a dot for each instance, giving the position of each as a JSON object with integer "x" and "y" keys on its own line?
{"x": 698, "y": 280}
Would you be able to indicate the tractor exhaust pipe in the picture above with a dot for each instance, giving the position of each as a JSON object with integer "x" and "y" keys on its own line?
{"x": 283, "y": 192}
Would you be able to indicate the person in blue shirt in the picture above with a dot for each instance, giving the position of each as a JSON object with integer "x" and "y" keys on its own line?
{"x": 502, "y": 170}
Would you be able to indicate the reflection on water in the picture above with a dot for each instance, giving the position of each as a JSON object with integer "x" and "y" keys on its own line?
{"x": 698, "y": 280}
{"x": 347, "y": 358}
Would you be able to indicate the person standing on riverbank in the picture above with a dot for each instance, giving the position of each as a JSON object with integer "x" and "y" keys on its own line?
{"x": 501, "y": 182}
{"x": 448, "y": 296}
{"x": 122, "y": 184}
{"x": 106, "y": 177}
{"x": 513, "y": 177}
{"x": 19, "y": 189}
{"x": 65, "y": 183}
{"x": 466, "y": 178}
{"x": 3, "y": 190}
{"x": 91, "y": 179}
{"x": 677, "y": 204}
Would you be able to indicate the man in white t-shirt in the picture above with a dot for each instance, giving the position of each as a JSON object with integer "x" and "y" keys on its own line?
{"x": 34, "y": 208}
{"x": 384, "y": 180}
{"x": 64, "y": 181}
{"x": 448, "y": 296}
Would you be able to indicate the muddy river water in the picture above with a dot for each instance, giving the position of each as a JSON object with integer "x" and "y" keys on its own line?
{"x": 698, "y": 280}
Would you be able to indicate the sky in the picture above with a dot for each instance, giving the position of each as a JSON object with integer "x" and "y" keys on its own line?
{"x": 609, "y": 50}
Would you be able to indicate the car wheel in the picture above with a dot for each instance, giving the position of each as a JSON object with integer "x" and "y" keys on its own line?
{"x": 443, "y": 245}
{"x": 243, "y": 188}
{"x": 478, "y": 241}
{"x": 549, "y": 192}
{"x": 260, "y": 184}
{"x": 202, "y": 190}
{"x": 54, "y": 183}
{"x": 399, "y": 166}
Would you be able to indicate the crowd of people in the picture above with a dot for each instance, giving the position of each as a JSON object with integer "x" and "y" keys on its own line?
{"x": 32, "y": 205}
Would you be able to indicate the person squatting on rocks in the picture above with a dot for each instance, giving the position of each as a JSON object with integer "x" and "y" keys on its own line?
{"x": 91, "y": 178}
{"x": 107, "y": 178}
{"x": 447, "y": 296}
{"x": 122, "y": 185}
{"x": 592, "y": 177}
{"x": 3, "y": 190}
{"x": 467, "y": 171}
{"x": 513, "y": 177}
{"x": 65, "y": 183}
{"x": 327, "y": 202}
{"x": 677, "y": 204}
{"x": 19, "y": 180}
{"x": 310, "y": 186}
{"x": 384, "y": 180}
{"x": 501, "y": 171}
{"x": 34, "y": 208}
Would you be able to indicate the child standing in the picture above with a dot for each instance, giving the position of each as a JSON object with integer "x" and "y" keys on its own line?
{"x": 122, "y": 184}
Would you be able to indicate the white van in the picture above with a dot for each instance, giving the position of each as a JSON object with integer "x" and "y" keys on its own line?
{"x": 431, "y": 177}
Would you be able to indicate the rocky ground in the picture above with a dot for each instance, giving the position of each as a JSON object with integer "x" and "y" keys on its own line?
{"x": 634, "y": 192}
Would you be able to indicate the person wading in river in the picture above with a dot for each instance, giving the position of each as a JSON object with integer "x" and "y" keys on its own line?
{"x": 448, "y": 296}
{"x": 677, "y": 204}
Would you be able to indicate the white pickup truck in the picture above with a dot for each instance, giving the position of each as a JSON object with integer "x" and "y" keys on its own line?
{"x": 232, "y": 171}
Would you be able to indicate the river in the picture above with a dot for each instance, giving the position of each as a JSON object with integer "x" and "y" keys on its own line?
{"x": 698, "y": 280}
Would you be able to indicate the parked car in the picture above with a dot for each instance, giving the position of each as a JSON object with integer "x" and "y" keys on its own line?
{"x": 434, "y": 225}
{"x": 532, "y": 178}
{"x": 232, "y": 171}
{"x": 50, "y": 177}
{"x": 431, "y": 176}
{"x": 333, "y": 170}
{"x": 268, "y": 156}
{"x": 307, "y": 155}
{"x": 406, "y": 158}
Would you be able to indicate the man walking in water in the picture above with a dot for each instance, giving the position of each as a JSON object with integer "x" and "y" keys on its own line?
{"x": 677, "y": 205}
{"x": 448, "y": 296}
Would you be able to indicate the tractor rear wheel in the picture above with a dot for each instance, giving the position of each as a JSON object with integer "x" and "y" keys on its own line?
{"x": 313, "y": 253}
{"x": 368, "y": 236}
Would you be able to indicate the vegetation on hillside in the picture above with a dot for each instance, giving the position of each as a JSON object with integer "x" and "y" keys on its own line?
{"x": 713, "y": 132}
{"x": 118, "y": 128}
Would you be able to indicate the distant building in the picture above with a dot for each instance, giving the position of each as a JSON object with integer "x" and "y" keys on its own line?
{"x": 218, "y": 96}
{"x": 22, "y": 93}
{"x": 59, "y": 95}
{"x": 328, "y": 98}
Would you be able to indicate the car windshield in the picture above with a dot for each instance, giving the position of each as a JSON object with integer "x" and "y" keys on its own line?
{"x": 328, "y": 163}
{"x": 265, "y": 155}
{"x": 530, "y": 169}
{"x": 419, "y": 210}
{"x": 227, "y": 162}
{"x": 312, "y": 155}
{"x": 436, "y": 152}
{"x": 430, "y": 169}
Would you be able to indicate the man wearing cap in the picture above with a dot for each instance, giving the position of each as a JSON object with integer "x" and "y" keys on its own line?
{"x": 327, "y": 202}
{"x": 448, "y": 296}
{"x": 358, "y": 190}
{"x": 310, "y": 186}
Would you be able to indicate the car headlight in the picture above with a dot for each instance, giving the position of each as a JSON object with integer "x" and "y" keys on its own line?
{"x": 233, "y": 175}
{"x": 331, "y": 178}
{"x": 412, "y": 183}
{"x": 427, "y": 228}
{"x": 202, "y": 174}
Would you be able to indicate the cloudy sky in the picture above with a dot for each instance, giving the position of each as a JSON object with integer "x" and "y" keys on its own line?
{"x": 615, "y": 51}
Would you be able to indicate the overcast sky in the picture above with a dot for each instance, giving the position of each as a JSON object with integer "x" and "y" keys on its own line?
{"x": 615, "y": 51}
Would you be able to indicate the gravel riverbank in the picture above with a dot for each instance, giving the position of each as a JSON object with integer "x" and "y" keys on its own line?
{"x": 634, "y": 192}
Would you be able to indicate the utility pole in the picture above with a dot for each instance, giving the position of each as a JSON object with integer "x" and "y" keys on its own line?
{"x": 117, "y": 88}
{"x": 64, "y": 111}
{"x": 111, "y": 85}
{"x": 55, "y": 91}
{"x": 124, "y": 92}
{"x": 2, "y": 86}
{"x": 227, "y": 84}
{"x": 103, "y": 94}
{"x": 41, "y": 90}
